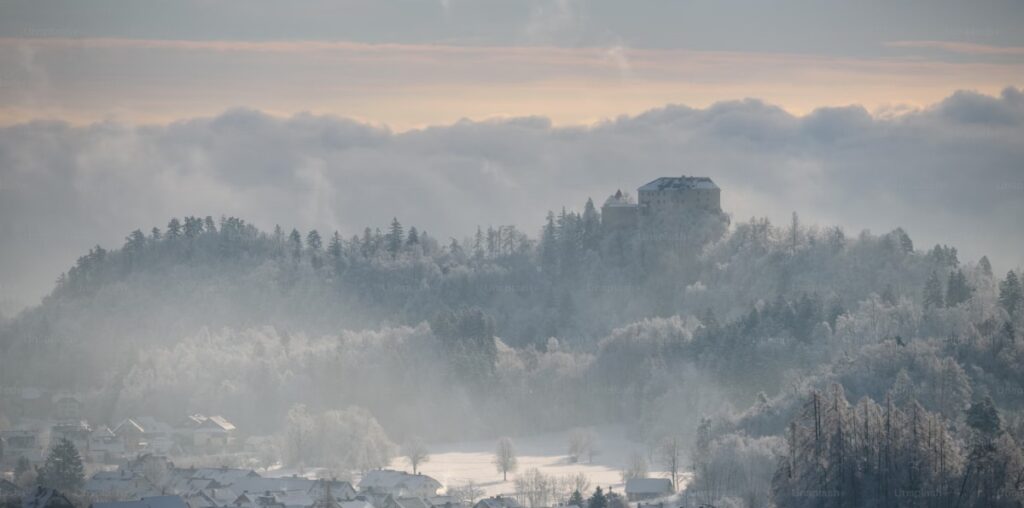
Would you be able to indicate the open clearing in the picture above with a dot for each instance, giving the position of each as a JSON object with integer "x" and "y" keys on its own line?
{"x": 455, "y": 464}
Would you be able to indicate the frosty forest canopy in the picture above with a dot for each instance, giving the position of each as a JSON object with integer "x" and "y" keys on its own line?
{"x": 651, "y": 313}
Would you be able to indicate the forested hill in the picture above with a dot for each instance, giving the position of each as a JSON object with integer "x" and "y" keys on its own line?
{"x": 806, "y": 359}
{"x": 576, "y": 282}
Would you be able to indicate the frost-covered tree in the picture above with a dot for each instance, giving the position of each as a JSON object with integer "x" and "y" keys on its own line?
{"x": 582, "y": 443}
{"x": 505, "y": 458}
{"x": 636, "y": 467}
{"x": 957, "y": 289}
{"x": 1011, "y": 294}
{"x": 597, "y": 499}
{"x": 576, "y": 499}
{"x": 933, "y": 292}
{"x": 396, "y": 237}
{"x": 670, "y": 456}
{"x": 415, "y": 451}
{"x": 295, "y": 243}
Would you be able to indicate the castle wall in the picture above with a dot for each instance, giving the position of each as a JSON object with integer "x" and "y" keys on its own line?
{"x": 684, "y": 200}
{"x": 619, "y": 216}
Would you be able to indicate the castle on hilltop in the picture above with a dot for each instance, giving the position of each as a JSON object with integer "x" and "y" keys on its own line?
{"x": 676, "y": 197}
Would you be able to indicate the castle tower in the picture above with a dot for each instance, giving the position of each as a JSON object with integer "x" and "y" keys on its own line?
{"x": 619, "y": 212}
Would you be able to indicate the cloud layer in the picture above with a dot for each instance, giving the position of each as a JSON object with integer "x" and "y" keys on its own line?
{"x": 951, "y": 173}
{"x": 144, "y": 80}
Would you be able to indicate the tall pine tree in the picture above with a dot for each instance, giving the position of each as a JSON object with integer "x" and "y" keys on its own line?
{"x": 63, "y": 468}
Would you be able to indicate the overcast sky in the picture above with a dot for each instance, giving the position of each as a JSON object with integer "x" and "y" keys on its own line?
{"x": 119, "y": 114}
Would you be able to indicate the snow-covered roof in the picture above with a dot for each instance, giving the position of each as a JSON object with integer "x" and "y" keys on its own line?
{"x": 152, "y": 425}
{"x": 357, "y": 503}
{"x": 340, "y": 490}
{"x": 123, "y": 483}
{"x": 285, "y": 483}
{"x": 679, "y": 182}
{"x": 209, "y": 422}
{"x": 219, "y": 422}
{"x": 498, "y": 502}
{"x": 71, "y": 426}
{"x": 411, "y": 502}
{"x": 442, "y": 500}
{"x": 387, "y": 480}
{"x": 44, "y": 497}
{"x": 102, "y": 432}
{"x": 129, "y": 425}
{"x": 224, "y": 476}
{"x": 8, "y": 488}
{"x": 294, "y": 498}
{"x": 648, "y": 486}
{"x": 146, "y": 502}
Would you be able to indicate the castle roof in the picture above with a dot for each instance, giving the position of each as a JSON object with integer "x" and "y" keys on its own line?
{"x": 679, "y": 182}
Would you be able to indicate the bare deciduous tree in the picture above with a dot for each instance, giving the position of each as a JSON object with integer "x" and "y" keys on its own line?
{"x": 416, "y": 453}
{"x": 636, "y": 468}
{"x": 582, "y": 443}
{"x": 505, "y": 458}
{"x": 468, "y": 493}
{"x": 670, "y": 453}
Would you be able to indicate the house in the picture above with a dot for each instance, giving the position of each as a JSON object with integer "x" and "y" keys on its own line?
{"x": 211, "y": 433}
{"x": 340, "y": 490}
{"x": 22, "y": 443}
{"x": 497, "y": 502}
{"x": 104, "y": 445}
{"x": 145, "y": 433}
{"x": 43, "y": 497}
{"x": 403, "y": 502}
{"x": 215, "y": 431}
{"x": 131, "y": 434}
{"x": 76, "y": 431}
{"x": 355, "y": 503}
{"x": 146, "y": 502}
{"x": 444, "y": 502}
{"x": 121, "y": 484}
{"x": 638, "y": 489}
{"x": 67, "y": 407}
{"x": 211, "y": 498}
{"x": 382, "y": 482}
{"x": 265, "y": 500}
{"x": 9, "y": 489}
{"x": 33, "y": 402}
{"x": 292, "y": 491}
{"x": 224, "y": 476}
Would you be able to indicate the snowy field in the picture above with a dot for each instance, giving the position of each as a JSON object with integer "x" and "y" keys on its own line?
{"x": 455, "y": 464}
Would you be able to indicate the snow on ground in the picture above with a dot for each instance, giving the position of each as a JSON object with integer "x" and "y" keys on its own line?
{"x": 455, "y": 464}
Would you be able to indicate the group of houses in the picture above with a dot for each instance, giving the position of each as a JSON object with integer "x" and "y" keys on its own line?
{"x": 154, "y": 482}
{"x": 43, "y": 425}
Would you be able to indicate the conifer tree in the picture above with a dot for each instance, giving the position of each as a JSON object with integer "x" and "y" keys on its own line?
{"x": 295, "y": 241}
{"x": 933, "y": 297}
{"x": 396, "y": 237}
{"x": 576, "y": 499}
{"x": 313, "y": 241}
{"x": 957, "y": 289}
{"x": 1010, "y": 294}
{"x": 597, "y": 500}
{"x": 591, "y": 225}
{"x": 985, "y": 265}
{"x": 62, "y": 469}
{"x": 173, "y": 229}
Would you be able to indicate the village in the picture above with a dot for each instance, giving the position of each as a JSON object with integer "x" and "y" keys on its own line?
{"x": 129, "y": 465}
